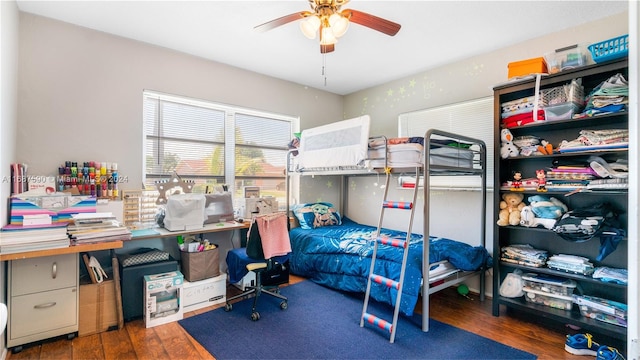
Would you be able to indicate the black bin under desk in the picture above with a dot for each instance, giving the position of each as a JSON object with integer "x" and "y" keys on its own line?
{"x": 132, "y": 284}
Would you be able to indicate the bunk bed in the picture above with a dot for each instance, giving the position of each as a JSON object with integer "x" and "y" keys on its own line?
{"x": 336, "y": 252}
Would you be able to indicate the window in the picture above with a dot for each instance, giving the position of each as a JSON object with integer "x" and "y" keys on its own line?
{"x": 470, "y": 118}
{"x": 215, "y": 145}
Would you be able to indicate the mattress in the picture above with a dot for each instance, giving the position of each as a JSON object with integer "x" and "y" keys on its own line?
{"x": 451, "y": 156}
{"x": 339, "y": 257}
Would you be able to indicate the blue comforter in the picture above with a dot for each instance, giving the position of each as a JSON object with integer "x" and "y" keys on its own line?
{"x": 340, "y": 257}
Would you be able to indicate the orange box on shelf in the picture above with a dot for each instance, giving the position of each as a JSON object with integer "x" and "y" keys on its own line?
{"x": 527, "y": 67}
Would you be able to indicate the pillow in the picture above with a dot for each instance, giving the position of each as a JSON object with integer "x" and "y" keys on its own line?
{"x": 315, "y": 215}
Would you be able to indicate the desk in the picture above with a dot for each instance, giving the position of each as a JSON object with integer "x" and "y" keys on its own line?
{"x": 159, "y": 233}
{"x": 73, "y": 249}
{"x": 110, "y": 245}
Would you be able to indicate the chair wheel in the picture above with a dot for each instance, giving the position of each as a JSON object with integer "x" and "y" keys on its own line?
{"x": 255, "y": 316}
{"x": 284, "y": 305}
{"x": 228, "y": 307}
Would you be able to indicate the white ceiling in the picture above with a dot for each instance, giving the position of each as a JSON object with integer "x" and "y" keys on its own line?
{"x": 433, "y": 33}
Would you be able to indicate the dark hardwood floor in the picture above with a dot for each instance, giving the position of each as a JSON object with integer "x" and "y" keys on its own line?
{"x": 170, "y": 341}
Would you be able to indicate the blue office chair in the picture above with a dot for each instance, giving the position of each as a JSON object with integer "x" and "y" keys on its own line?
{"x": 274, "y": 229}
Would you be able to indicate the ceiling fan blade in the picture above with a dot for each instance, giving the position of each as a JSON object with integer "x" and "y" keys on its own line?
{"x": 327, "y": 48}
{"x": 282, "y": 20}
{"x": 371, "y": 21}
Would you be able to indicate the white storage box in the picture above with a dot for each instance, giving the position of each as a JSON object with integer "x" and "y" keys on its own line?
{"x": 549, "y": 284}
{"x": 163, "y": 298}
{"x": 199, "y": 294}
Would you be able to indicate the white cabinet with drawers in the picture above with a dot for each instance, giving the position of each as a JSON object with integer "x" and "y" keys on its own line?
{"x": 42, "y": 296}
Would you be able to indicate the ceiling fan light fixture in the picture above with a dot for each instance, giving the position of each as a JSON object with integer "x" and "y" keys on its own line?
{"x": 310, "y": 26}
{"x": 327, "y": 37}
{"x": 339, "y": 24}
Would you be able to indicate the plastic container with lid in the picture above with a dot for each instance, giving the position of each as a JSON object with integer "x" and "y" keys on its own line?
{"x": 568, "y": 57}
{"x": 547, "y": 284}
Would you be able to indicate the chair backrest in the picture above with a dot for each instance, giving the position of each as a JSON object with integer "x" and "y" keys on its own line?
{"x": 268, "y": 236}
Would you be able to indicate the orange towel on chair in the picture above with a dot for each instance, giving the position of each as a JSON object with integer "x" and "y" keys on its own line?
{"x": 274, "y": 234}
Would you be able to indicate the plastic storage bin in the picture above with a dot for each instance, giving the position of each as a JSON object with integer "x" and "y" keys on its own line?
{"x": 549, "y": 284}
{"x": 611, "y": 49}
{"x": 548, "y": 299}
{"x": 566, "y": 58}
{"x": 561, "y": 112}
{"x": 527, "y": 67}
{"x": 604, "y": 310}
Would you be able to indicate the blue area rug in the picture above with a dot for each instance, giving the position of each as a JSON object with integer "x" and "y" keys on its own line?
{"x": 324, "y": 324}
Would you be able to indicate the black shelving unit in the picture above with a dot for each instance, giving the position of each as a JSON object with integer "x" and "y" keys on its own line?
{"x": 541, "y": 238}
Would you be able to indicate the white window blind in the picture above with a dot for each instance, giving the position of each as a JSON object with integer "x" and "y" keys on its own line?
{"x": 214, "y": 144}
{"x": 470, "y": 118}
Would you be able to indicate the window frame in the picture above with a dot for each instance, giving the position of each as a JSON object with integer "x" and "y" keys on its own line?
{"x": 229, "y": 144}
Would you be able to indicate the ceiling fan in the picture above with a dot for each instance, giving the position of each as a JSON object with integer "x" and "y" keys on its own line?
{"x": 327, "y": 20}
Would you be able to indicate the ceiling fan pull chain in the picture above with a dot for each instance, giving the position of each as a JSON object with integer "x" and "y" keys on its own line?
{"x": 324, "y": 67}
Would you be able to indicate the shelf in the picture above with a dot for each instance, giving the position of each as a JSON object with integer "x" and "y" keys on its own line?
{"x": 541, "y": 238}
{"x": 107, "y": 245}
{"x": 569, "y": 154}
{"x": 573, "y": 317}
{"x": 535, "y": 229}
{"x": 562, "y": 274}
{"x": 567, "y": 75}
{"x": 568, "y": 193}
{"x": 616, "y": 118}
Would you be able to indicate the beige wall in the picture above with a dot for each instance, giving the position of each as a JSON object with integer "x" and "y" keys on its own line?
{"x": 8, "y": 117}
{"x": 80, "y": 94}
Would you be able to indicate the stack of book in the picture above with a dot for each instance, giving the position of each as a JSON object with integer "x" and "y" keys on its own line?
{"x": 15, "y": 241}
{"x": 96, "y": 227}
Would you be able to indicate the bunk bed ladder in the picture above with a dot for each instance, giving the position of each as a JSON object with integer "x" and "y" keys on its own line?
{"x": 403, "y": 244}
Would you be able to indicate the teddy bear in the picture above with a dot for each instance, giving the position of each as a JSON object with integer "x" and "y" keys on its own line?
{"x": 510, "y": 208}
{"x": 508, "y": 148}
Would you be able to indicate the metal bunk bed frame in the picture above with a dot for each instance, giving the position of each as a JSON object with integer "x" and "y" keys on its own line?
{"x": 478, "y": 169}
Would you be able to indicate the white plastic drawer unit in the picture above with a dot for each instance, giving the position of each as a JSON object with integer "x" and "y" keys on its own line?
{"x": 42, "y": 296}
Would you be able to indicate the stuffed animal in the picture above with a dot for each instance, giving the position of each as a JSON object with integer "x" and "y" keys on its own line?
{"x": 545, "y": 148}
{"x": 508, "y": 148}
{"x": 529, "y": 219}
{"x": 545, "y": 207}
{"x": 510, "y": 208}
